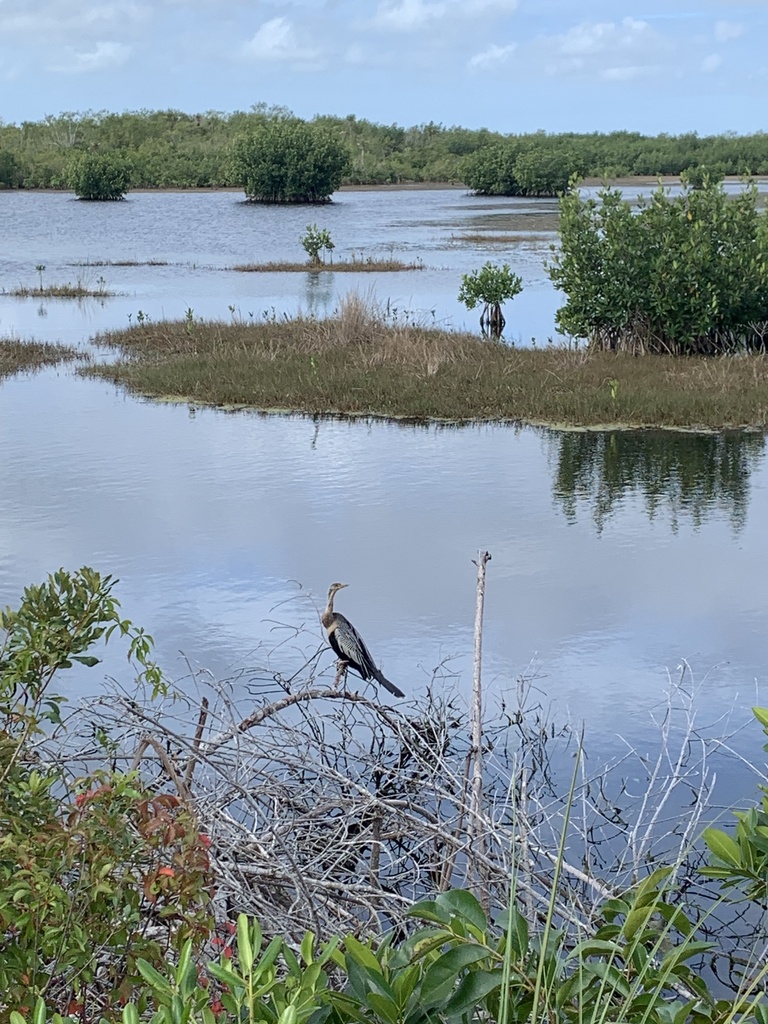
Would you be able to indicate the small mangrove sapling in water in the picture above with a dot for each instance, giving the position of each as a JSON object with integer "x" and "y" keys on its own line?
{"x": 492, "y": 285}
{"x": 314, "y": 241}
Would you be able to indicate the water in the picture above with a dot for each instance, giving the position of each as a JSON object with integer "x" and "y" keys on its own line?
{"x": 616, "y": 557}
{"x": 200, "y": 235}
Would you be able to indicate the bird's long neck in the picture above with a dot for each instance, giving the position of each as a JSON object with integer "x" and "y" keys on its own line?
{"x": 327, "y": 616}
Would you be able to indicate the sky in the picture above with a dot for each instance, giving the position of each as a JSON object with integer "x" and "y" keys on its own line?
{"x": 509, "y": 65}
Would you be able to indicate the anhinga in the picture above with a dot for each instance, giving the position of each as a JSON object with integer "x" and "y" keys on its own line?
{"x": 350, "y": 646}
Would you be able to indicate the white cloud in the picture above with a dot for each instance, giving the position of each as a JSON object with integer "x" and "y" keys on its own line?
{"x": 105, "y": 54}
{"x": 276, "y": 40}
{"x": 406, "y": 15}
{"x": 409, "y": 15}
{"x": 711, "y": 63}
{"x": 491, "y": 57}
{"x": 67, "y": 19}
{"x": 596, "y": 37}
{"x": 613, "y": 50}
{"x": 627, "y": 72}
{"x": 725, "y": 30}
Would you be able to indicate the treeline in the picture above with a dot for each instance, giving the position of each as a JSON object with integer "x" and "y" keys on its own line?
{"x": 169, "y": 148}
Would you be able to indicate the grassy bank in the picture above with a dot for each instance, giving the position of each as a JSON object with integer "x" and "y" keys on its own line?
{"x": 20, "y": 356}
{"x": 357, "y": 363}
{"x": 368, "y": 265}
{"x": 69, "y": 290}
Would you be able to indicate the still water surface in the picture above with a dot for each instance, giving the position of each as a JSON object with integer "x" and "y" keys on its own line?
{"x": 616, "y": 556}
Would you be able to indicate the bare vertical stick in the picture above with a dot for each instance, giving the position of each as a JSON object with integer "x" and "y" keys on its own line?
{"x": 475, "y": 836}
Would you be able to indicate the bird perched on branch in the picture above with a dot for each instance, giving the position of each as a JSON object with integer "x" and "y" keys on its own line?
{"x": 350, "y": 646}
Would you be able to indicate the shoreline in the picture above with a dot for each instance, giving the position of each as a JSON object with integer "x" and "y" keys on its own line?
{"x": 405, "y": 186}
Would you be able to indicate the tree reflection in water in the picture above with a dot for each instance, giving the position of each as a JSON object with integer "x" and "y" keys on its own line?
{"x": 683, "y": 474}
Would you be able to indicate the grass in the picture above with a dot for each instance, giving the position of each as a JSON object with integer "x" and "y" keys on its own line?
{"x": 367, "y": 265}
{"x": 122, "y": 263}
{"x": 79, "y": 290}
{"x": 509, "y": 239}
{"x": 360, "y": 363}
{"x": 24, "y": 356}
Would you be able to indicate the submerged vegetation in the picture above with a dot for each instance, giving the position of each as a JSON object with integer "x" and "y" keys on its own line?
{"x": 18, "y": 356}
{"x": 164, "y": 858}
{"x": 365, "y": 361}
{"x": 173, "y": 149}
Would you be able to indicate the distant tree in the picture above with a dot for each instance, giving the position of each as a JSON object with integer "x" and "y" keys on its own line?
{"x": 490, "y": 171}
{"x": 523, "y": 166}
{"x": 546, "y": 170}
{"x": 10, "y": 172}
{"x": 286, "y": 160}
{"x": 99, "y": 176}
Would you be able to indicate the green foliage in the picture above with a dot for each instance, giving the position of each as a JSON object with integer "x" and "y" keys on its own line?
{"x": 100, "y": 176}
{"x": 490, "y": 171}
{"x": 10, "y": 170}
{"x": 680, "y": 274}
{"x": 742, "y": 861}
{"x": 315, "y": 241}
{"x": 536, "y": 167}
{"x": 82, "y": 862}
{"x": 492, "y": 284}
{"x": 285, "y": 160}
{"x": 170, "y": 148}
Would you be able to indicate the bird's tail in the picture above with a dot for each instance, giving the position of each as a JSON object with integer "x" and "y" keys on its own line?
{"x": 382, "y": 679}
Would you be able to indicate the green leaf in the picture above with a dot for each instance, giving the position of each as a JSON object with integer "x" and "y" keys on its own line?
{"x": 245, "y": 950}
{"x": 307, "y": 947}
{"x": 153, "y": 977}
{"x": 362, "y": 954}
{"x": 681, "y": 953}
{"x": 86, "y": 659}
{"x": 383, "y": 1007}
{"x": 761, "y": 714}
{"x": 430, "y": 910}
{"x": 472, "y": 991}
{"x": 722, "y": 846}
{"x": 446, "y": 970}
{"x": 465, "y": 906}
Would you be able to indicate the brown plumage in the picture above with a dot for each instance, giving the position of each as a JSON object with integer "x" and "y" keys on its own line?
{"x": 350, "y": 646}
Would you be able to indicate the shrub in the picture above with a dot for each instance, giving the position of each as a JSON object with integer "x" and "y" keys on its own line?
{"x": 286, "y": 160}
{"x": 98, "y": 871}
{"x": 100, "y": 176}
{"x": 682, "y": 274}
{"x": 490, "y": 171}
{"x": 492, "y": 285}
{"x": 512, "y": 169}
{"x": 315, "y": 241}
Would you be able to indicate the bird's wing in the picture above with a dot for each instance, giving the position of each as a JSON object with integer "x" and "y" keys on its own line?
{"x": 348, "y": 644}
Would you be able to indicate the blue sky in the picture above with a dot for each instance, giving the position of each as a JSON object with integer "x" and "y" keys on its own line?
{"x": 511, "y": 65}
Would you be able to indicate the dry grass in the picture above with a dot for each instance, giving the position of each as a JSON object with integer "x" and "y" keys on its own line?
{"x": 359, "y": 363}
{"x": 25, "y": 356}
{"x": 367, "y": 265}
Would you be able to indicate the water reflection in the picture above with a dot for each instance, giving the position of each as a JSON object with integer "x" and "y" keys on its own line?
{"x": 682, "y": 474}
